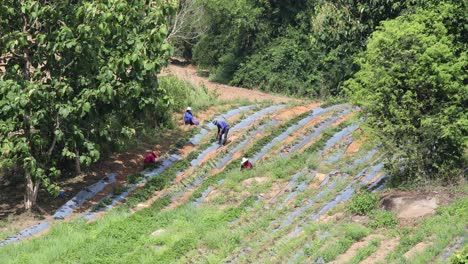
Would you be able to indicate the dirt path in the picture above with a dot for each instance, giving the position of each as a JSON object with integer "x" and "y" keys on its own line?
{"x": 226, "y": 92}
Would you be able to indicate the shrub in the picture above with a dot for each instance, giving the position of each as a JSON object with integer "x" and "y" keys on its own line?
{"x": 412, "y": 87}
{"x": 134, "y": 178}
{"x": 158, "y": 183}
{"x": 382, "y": 218}
{"x": 105, "y": 202}
{"x": 198, "y": 97}
{"x": 355, "y": 232}
{"x": 120, "y": 189}
{"x": 460, "y": 257}
{"x": 363, "y": 203}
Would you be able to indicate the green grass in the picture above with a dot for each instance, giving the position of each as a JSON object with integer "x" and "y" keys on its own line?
{"x": 198, "y": 97}
{"x": 382, "y": 219}
{"x": 262, "y": 230}
{"x": 134, "y": 178}
{"x": 363, "y": 203}
{"x": 5, "y": 231}
{"x": 366, "y": 251}
{"x": 105, "y": 202}
{"x": 219, "y": 229}
{"x": 460, "y": 257}
{"x": 345, "y": 235}
{"x": 441, "y": 229}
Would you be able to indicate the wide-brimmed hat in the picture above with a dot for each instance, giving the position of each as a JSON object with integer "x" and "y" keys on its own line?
{"x": 189, "y": 108}
{"x": 244, "y": 160}
{"x": 215, "y": 122}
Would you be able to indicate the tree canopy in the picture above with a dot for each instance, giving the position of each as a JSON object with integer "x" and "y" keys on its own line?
{"x": 78, "y": 75}
{"x": 404, "y": 62}
{"x": 296, "y": 47}
{"x": 412, "y": 86}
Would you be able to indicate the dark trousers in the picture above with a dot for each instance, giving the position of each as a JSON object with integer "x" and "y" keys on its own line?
{"x": 224, "y": 133}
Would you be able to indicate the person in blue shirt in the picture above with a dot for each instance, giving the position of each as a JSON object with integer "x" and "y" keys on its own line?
{"x": 188, "y": 118}
{"x": 223, "y": 129}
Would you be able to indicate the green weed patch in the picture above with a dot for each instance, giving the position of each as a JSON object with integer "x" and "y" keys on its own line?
{"x": 382, "y": 219}
{"x": 363, "y": 203}
{"x": 365, "y": 252}
{"x": 460, "y": 257}
{"x": 105, "y": 202}
{"x": 134, "y": 178}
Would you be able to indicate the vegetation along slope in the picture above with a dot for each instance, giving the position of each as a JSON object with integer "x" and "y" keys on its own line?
{"x": 353, "y": 115}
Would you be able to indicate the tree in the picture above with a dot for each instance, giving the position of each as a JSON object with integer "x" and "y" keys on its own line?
{"x": 77, "y": 75}
{"x": 412, "y": 87}
{"x": 186, "y": 26}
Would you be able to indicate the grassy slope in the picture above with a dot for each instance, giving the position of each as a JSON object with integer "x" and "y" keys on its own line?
{"x": 237, "y": 224}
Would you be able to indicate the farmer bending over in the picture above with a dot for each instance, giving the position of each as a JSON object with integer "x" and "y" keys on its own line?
{"x": 223, "y": 129}
{"x": 150, "y": 159}
{"x": 188, "y": 118}
{"x": 246, "y": 164}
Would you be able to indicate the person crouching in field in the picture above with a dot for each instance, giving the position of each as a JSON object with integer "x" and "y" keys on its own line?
{"x": 246, "y": 164}
{"x": 150, "y": 159}
{"x": 188, "y": 118}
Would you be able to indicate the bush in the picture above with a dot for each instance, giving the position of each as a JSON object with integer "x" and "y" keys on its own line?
{"x": 187, "y": 94}
{"x": 363, "y": 203}
{"x": 105, "y": 202}
{"x": 355, "y": 232}
{"x": 158, "y": 183}
{"x": 412, "y": 87}
{"x": 285, "y": 66}
{"x": 120, "y": 189}
{"x": 460, "y": 257}
{"x": 382, "y": 218}
{"x": 134, "y": 178}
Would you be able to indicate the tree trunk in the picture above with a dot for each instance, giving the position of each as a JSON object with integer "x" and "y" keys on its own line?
{"x": 31, "y": 192}
{"x": 77, "y": 162}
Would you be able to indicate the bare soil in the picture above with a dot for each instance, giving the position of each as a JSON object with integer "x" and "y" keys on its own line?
{"x": 256, "y": 180}
{"x": 387, "y": 246}
{"x": 419, "y": 248}
{"x": 295, "y": 111}
{"x": 414, "y": 205}
{"x": 276, "y": 189}
{"x": 355, "y": 146}
{"x": 351, "y": 252}
{"x": 225, "y": 92}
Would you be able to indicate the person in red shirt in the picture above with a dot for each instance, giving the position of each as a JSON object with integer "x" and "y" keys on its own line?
{"x": 150, "y": 159}
{"x": 246, "y": 164}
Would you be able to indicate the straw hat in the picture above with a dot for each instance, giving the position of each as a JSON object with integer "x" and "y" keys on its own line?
{"x": 189, "y": 108}
{"x": 244, "y": 160}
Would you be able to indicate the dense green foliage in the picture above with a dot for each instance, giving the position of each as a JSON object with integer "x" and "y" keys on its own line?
{"x": 185, "y": 94}
{"x": 79, "y": 76}
{"x": 382, "y": 219}
{"x": 460, "y": 257}
{"x": 363, "y": 203}
{"x": 412, "y": 85}
{"x": 410, "y": 76}
{"x": 297, "y": 47}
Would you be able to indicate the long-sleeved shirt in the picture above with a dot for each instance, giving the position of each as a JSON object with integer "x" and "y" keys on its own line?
{"x": 151, "y": 158}
{"x": 188, "y": 118}
{"x": 222, "y": 126}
